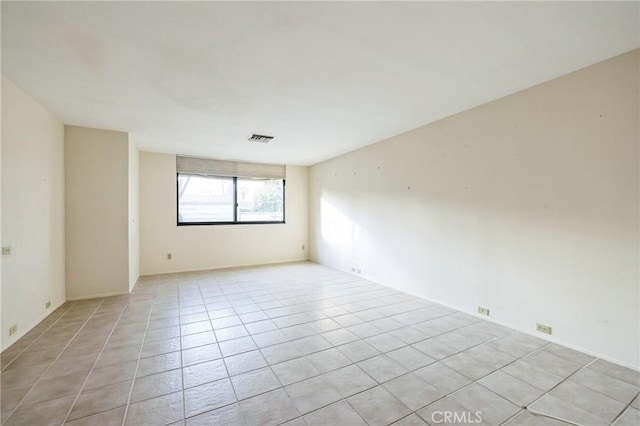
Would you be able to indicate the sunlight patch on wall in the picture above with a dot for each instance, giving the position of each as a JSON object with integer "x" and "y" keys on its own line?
{"x": 336, "y": 228}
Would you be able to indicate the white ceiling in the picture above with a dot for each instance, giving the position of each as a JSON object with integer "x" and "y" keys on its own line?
{"x": 324, "y": 78}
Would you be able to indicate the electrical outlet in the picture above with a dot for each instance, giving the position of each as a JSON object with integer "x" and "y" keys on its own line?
{"x": 543, "y": 328}
{"x": 303, "y": 247}
{"x": 483, "y": 311}
{"x": 6, "y": 251}
{"x": 13, "y": 330}
{"x": 169, "y": 256}
{"x": 47, "y": 305}
{"x": 358, "y": 271}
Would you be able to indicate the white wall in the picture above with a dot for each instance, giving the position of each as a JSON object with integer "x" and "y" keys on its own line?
{"x": 213, "y": 246}
{"x": 32, "y": 211}
{"x": 97, "y": 212}
{"x": 527, "y": 206}
{"x": 134, "y": 216}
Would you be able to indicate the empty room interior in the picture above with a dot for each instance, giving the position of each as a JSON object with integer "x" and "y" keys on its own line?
{"x": 320, "y": 213}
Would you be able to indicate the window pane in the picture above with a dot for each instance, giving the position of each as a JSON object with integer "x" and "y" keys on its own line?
{"x": 205, "y": 199}
{"x": 260, "y": 200}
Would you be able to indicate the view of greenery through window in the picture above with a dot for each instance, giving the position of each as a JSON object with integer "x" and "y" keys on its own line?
{"x": 260, "y": 200}
{"x": 210, "y": 199}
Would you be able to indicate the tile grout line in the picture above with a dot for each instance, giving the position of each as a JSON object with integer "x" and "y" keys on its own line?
{"x": 321, "y": 374}
{"x": 539, "y": 413}
{"x": 439, "y": 361}
{"x": 271, "y": 318}
{"x": 244, "y": 420}
{"x": 343, "y": 399}
{"x": 184, "y": 394}
{"x": 362, "y": 339}
{"x": 522, "y": 407}
{"x": 86, "y": 379}
{"x": 346, "y": 328}
{"x": 613, "y": 422}
{"x": 608, "y": 376}
{"x": 237, "y": 401}
{"x": 359, "y": 339}
{"x": 135, "y": 372}
{"x": 269, "y": 365}
{"x": 259, "y": 349}
{"x": 39, "y": 337}
{"x": 52, "y": 362}
{"x": 496, "y": 337}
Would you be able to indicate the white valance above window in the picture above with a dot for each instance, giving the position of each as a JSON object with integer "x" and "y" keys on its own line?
{"x": 208, "y": 166}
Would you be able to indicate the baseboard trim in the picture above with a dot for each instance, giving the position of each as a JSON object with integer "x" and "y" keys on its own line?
{"x": 225, "y": 267}
{"x": 534, "y": 334}
{"x": 96, "y": 296}
{"x": 22, "y": 333}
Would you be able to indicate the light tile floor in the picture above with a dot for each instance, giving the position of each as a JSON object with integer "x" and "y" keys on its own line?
{"x": 296, "y": 344}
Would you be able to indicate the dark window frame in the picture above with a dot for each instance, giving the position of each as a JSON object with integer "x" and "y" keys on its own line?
{"x": 235, "y": 210}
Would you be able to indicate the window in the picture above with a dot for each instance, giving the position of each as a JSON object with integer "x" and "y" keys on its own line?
{"x": 204, "y": 199}
{"x": 212, "y": 192}
{"x": 260, "y": 200}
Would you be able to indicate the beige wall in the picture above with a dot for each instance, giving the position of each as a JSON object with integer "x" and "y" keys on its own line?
{"x": 217, "y": 246}
{"x": 134, "y": 217}
{"x": 2, "y": 345}
{"x": 97, "y": 212}
{"x": 527, "y": 206}
{"x": 32, "y": 211}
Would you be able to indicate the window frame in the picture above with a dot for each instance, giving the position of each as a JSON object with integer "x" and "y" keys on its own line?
{"x": 235, "y": 202}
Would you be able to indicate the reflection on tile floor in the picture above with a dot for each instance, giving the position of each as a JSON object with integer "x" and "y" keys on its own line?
{"x": 296, "y": 344}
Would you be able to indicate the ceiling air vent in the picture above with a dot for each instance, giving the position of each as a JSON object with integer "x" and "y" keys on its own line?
{"x": 260, "y": 138}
